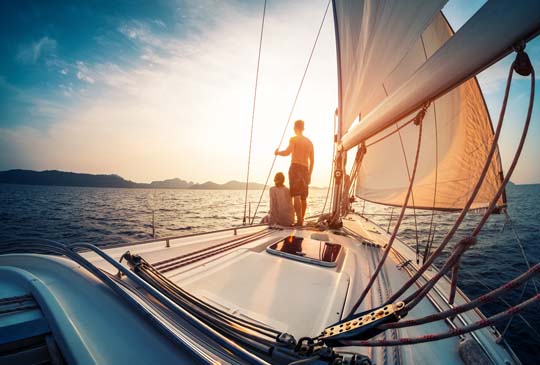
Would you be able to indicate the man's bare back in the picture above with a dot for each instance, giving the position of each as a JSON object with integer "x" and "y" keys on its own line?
{"x": 302, "y": 150}
{"x": 302, "y": 161}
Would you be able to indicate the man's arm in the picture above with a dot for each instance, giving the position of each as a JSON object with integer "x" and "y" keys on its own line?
{"x": 287, "y": 151}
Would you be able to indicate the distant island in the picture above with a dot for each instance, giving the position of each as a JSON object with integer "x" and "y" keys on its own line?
{"x": 62, "y": 178}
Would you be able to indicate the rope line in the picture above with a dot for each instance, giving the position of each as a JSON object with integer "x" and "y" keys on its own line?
{"x": 253, "y": 111}
{"x": 396, "y": 227}
{"x": 504, "y": 301}
{"x": 521, "y": 248}
{"x": 452, "y": 333}
{"x": 413, "y": 299}
{"x": 509, "y": 173}
{"x": 292, "y": 109}
{"x": 463, "y": 244}
{"x": 469, "y": 202}
{"x": 483, "y": 299}
{"x": 429, "y": 242}
{"x": 412, "y": 192}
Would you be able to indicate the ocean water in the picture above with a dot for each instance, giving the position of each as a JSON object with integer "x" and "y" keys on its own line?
{"x": 106, "y": 215}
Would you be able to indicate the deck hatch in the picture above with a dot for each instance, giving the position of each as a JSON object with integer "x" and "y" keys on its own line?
{"x": 307, "y": 250}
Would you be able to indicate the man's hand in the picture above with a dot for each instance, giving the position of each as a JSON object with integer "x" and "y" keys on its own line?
{"x": 276, "y": 152}
{"x": 309, "y": 179}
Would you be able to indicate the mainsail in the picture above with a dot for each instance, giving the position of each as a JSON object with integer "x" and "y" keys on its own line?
{"x": 457, "y": 130}
{"x": 456, "y": 139}
{"x": 372, "y": 38}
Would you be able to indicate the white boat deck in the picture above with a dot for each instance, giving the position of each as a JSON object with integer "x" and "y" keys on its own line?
{"x": 302, "y": 298}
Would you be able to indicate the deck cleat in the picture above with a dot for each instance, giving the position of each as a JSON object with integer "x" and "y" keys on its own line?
{"x": 362, "y": 326}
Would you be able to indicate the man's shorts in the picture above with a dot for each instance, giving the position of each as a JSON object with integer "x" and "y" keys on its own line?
{"x": 298, "y": 180}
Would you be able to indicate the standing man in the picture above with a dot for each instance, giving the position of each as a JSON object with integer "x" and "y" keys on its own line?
{"x": 302, "y": 160}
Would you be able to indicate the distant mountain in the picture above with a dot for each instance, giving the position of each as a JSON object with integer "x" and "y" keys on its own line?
{"x": 62, "y": 178}
{"x": 175, "y": 183}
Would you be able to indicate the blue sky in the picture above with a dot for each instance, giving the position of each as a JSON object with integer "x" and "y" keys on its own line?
{"x": 45, "y": 47}
{"x": 159, "y": 89}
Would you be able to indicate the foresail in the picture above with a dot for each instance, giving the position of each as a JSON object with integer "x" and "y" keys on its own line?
{"x": 372, "y": 38}
{"x": 457, "y": 134}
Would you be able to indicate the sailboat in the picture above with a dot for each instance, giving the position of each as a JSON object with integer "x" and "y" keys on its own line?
{"x": 342, "y": 289}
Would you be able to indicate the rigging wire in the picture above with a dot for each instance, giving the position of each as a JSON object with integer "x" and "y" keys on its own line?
{"x": 430, "y": 237}
{"x": 253, "y": 112}
{"x": 396, "y": 227}
{"x": 521, "y": 248}
{"x": 412, "y": 193}
{"x": 504, "y": 301}
{"x": 332, "y": 167}
{"x": 292, "y": 109}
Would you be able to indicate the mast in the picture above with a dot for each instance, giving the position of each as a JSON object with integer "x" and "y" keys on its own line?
{"x": 339, "y": 163}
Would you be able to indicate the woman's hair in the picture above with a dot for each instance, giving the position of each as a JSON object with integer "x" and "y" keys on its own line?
{"x": 279, "y": 179}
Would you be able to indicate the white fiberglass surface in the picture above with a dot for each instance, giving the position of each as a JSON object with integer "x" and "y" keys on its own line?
{"x": 289, "y": 295}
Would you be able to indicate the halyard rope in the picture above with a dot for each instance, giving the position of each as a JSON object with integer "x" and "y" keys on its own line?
{"x": 412, "y": 192}
{"x": 465, "y": 243}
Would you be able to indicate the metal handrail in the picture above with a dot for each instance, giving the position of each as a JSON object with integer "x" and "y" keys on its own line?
{"x": 171, "y": 238}
{"x": 224, "y": 341}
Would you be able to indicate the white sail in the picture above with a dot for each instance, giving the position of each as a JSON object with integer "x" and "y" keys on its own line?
{"x": 384, "y": 91}
{"x": 456, "y": 138}
{"x": 487, "y": 37}
{"x": 372, "y": 38}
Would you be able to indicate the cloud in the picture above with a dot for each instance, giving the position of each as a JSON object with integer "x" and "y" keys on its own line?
{"x": 141, "y": 32}
{"x": 83, "y": 72}
{"x": 159, "y": 23}
{"x": 31, "y": 53}
{"x": 183, "y": 107}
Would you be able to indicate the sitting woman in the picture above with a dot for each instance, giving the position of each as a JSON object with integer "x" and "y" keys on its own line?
{"x": 281, "y": 210}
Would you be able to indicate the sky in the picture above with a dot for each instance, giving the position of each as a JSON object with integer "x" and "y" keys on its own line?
{"x": 151, "y": 90}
